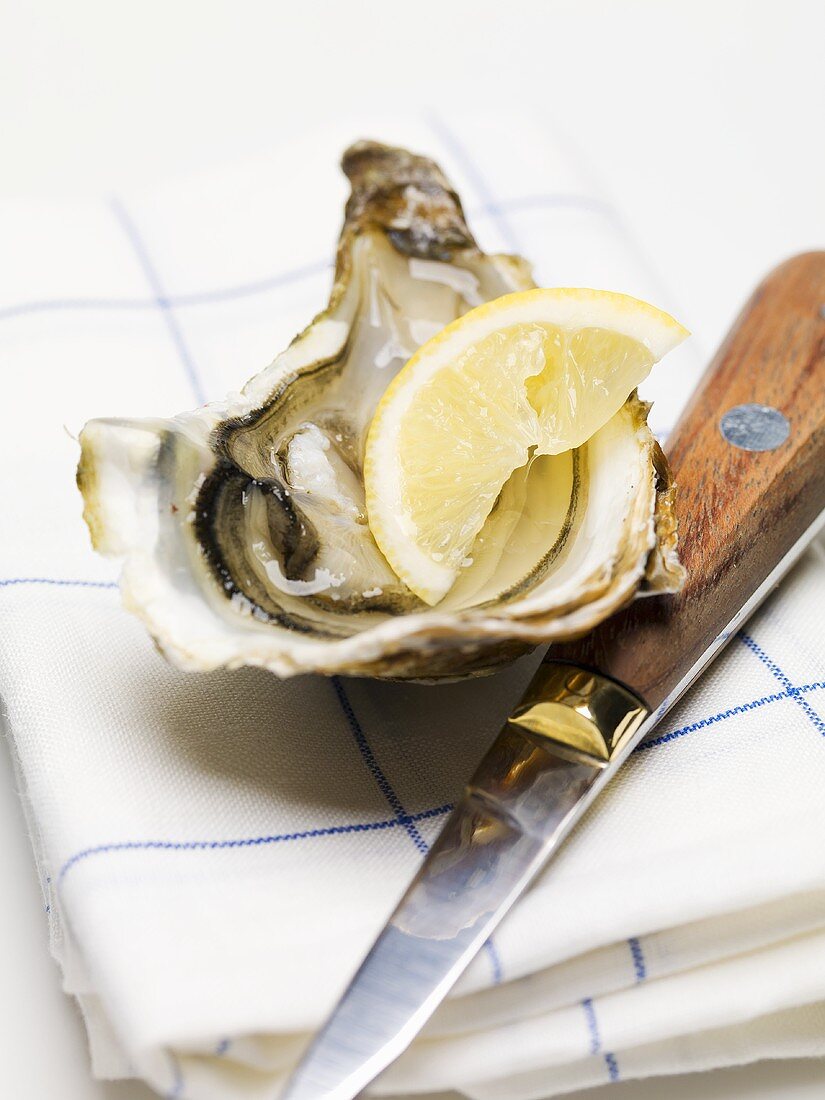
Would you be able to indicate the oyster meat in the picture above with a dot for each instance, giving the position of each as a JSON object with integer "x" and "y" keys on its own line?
{"x": 243, "y": 526}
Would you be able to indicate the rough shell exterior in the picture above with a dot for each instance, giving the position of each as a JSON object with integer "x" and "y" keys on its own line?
{"x": 223, "y": 545}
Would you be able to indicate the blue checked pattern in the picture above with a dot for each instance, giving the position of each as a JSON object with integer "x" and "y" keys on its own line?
{"x": 502, "y": 212}
{"x": 374, "y": 768}
{"x": 170, "y": 303}
{"x": 468, "y": 166}
{"x": 402, "y": 818}
{"x": 161, "y": 300}
{"x": 176, "y": 1089}
{"x": 639, "y": 964}
{"x": 791, "y": 692}
{"x": 595, "y": 1039}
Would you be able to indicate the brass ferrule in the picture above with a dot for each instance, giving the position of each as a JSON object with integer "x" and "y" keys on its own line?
{"x": 580, "y": 714}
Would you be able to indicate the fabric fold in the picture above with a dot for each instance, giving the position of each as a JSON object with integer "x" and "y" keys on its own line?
{"x": 218, "y": 851}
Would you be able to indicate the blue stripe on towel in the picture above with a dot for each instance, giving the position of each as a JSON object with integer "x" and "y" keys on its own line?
{"x": 639, "y": 965}
{"x": 374, "y": 768}
{"x": 521, "y": 204}
{"x": 612, "y": 1066}
{"x": 471, "y": 171}
{"x": 791, "y": 691}
{"x": 245, "y": 842}
{"x": 394, "y": 801}
{"x": 596, "y": 1039}
{"x": 70, "y": 583}
{"x": 163, "y": 303}
{"x": 176, "y": 1088}
{"x": 592, "y": 1025}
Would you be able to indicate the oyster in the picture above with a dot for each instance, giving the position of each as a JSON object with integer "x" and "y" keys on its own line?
{"x": 243, "y": 525}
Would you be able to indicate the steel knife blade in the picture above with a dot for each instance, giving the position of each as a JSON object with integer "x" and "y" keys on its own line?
{"x": 748, "y": 456}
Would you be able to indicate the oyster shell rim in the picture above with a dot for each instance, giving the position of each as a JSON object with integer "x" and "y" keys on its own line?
{"x": 394, "y": 637}
{"x": 526, "y": 622}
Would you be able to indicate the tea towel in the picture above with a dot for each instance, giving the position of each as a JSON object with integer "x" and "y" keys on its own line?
{"x": 217, "y": 851}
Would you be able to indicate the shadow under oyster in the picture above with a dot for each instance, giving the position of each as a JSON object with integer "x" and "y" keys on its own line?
{"x": 243, "y": 525}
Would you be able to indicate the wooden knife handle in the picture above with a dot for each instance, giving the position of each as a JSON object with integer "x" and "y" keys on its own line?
{"x": 740, "y": 511}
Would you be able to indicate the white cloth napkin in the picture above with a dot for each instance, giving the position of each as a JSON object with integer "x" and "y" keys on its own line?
{"x": 217, "y": 851}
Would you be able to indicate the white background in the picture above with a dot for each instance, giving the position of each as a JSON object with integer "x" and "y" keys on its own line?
{"x": 704, "y": 122}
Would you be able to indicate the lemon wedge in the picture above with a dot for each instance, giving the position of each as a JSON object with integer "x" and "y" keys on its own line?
{"x": 532, "y": 373}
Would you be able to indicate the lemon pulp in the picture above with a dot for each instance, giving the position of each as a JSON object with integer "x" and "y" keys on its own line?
{"x": 478, "y": 401}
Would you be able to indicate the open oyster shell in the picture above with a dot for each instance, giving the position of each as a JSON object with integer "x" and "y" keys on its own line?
{"x": 243, "y": 525}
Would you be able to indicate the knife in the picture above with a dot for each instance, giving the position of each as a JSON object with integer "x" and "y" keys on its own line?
{"x": 749, "y": 459}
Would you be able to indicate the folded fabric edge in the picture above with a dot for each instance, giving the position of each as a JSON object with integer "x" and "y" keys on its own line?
{"x": 793, "y": 1033}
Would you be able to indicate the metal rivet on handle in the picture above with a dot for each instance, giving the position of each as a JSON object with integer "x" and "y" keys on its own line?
{"x": 755, "y": 427}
